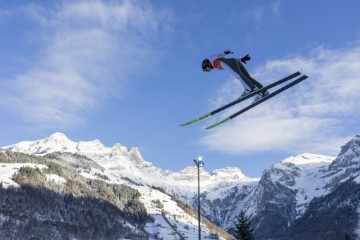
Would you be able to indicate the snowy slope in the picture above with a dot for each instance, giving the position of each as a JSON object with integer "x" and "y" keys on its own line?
{"x": 167, "y": 214}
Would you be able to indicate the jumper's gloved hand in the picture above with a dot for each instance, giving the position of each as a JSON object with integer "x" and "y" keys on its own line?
{"x": 245, "y": 58}
{"x": 228, "y": 52}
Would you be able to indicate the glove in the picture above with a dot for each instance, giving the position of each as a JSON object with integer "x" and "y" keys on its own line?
{"x": 245, "y": 58}
{"x": 228, "y": 52}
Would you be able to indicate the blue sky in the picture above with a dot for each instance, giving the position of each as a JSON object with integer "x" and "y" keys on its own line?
{"x": 129, "y": 72}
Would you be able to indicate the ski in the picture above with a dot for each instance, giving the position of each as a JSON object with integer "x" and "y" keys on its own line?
{"x": 287, "y": 86}
{"x": 274, "y": 84}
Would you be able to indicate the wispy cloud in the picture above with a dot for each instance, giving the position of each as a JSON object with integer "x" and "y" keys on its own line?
{"x": 89, "y": 51}
{"x": 262, "y": 13}
{"x": 275, "y": 8}
{"x": 316, "y": 116}
{"x": 4, "y": 14}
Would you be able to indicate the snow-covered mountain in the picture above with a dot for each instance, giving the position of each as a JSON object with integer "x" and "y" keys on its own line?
{"x": 128, "y": 163}
{"x": 280, "y": 202}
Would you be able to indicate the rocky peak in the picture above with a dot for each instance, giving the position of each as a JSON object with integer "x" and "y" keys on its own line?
{"x": 349, "y": 154}
{"x": 229, "y": 173}
{"x": 57, "y": 138}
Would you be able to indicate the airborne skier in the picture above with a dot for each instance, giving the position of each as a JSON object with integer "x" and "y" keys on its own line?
{"x": 251, "y": 86}
{"x": 236, "y": 68}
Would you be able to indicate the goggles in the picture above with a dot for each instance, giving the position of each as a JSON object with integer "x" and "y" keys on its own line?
{"x": 207, "y": 69}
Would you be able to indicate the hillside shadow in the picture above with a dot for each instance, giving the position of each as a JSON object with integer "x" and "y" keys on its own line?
{"x": 39, "y": 213}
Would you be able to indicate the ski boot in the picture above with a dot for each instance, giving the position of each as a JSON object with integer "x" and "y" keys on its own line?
{"x": 245, "y": 93}
{"x": 261, "y": 95}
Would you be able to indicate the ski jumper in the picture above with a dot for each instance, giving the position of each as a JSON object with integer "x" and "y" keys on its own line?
{"x": 236, "y": 68}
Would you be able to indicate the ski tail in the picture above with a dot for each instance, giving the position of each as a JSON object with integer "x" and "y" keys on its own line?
{"x": 287, "y": 86}
{"x": 274, "y": 84}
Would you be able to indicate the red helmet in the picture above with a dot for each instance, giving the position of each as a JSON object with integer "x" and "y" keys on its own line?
{"x": 206, "y": 65}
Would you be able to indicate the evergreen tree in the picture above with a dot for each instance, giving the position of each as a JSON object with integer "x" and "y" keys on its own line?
{"x": 243, "y": 228}
{"x": 346, "y": 237}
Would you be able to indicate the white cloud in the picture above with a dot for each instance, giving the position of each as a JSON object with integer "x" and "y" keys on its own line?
{"x": 258, "y": 14}
{"x": 89, "y": 51}
{"x": 275, "y": 8}
{"x": 318, "y": 115}
{"x": 4, "y": 15}
{"x": 262, "y": 13}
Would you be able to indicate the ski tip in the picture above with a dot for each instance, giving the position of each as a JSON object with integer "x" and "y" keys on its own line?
{"x": 217, "y": 124}
{"x": 185, "y": 124}
{"x": 188, "y": 123}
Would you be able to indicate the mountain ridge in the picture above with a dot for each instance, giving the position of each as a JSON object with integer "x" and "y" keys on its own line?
{"x": 59, "y": 142}
{"x": 286, "y": 192}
